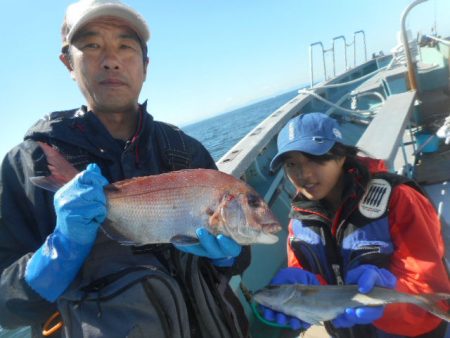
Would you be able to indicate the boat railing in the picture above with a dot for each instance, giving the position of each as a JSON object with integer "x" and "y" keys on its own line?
{"x": 311, "y": 61}
{"x": 332, "y": 51}
{"x": 360, "y": 32}
{"x": 435, "y": 38}
{"x": 340, "y": 37}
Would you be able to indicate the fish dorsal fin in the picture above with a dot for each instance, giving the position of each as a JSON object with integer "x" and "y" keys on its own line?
{"x": 62, "y": 171}
{"x": 60, "y": 168}
{"x": 46, "y": 182}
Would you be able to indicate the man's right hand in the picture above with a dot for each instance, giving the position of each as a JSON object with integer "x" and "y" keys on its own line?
{"x": 80, "y": 208}
{"x": 290, "y": 276}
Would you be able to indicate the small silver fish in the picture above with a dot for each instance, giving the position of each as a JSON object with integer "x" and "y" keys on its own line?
{"x": 316, "y": 303}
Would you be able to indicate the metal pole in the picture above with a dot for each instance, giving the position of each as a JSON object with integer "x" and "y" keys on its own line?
{"x": 311, "y": 70}
{"x": 334, "y": 60}
{"x": 410, "y": 63}
{"x": 354, "y": 46}
{"x": 345, "y": 51}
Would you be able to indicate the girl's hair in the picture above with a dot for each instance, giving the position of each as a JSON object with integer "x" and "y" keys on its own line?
{"x": 340, "y": 150}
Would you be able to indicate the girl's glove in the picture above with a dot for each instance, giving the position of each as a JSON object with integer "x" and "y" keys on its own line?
{"x": 366, "y": 276}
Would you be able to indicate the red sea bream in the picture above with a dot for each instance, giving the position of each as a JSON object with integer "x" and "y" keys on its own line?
{"x": 169, "y": 207}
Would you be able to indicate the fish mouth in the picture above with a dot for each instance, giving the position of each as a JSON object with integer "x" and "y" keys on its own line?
{"x": 271, "y": 228}
{"x": 265, "y": 297}
{"x": 267, "y": 235}
{"x": 266, "y": 238}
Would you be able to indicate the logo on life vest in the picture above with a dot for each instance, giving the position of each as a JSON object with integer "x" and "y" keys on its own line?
{"x": 375, "y": 200}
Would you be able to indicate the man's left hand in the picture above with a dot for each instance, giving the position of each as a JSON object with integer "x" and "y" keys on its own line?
{"x": 222, "y": 250}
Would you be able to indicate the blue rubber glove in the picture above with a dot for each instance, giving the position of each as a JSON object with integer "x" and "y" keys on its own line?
{"x": 222, "y": 250}
{"x": 290, "y": 276}
{"x": 366, "y": 276}
{"x": 80, "y": 208}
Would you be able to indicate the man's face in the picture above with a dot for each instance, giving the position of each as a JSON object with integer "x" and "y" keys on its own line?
{"x": 107, "y": 63}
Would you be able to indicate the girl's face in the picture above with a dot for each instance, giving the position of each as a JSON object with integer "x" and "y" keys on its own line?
{"x": 315, "y": 180}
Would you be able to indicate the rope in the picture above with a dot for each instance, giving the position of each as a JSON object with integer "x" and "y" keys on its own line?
{"x": 366, "y": 113}
{"x": 381, "y": 97}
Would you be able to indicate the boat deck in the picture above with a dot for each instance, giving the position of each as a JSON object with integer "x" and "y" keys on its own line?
{"x": 433, "y": 167}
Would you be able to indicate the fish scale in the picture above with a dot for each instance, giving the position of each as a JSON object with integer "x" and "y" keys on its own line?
{"x": 169, "y": 214}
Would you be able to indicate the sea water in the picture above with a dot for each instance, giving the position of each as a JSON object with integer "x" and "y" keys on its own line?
{"x": 220, "y": 133}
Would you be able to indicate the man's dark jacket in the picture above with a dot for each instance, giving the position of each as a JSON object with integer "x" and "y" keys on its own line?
{"x": 27, "y": 215}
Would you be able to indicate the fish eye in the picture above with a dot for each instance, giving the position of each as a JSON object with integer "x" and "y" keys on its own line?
{"x": 253, "y": 200}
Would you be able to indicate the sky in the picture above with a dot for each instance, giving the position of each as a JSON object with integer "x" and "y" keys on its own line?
{"x": 206, "y": 56}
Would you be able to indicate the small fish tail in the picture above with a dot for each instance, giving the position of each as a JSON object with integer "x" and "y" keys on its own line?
{"x": 62, "y": 171}
{"x": 431, "y": 304}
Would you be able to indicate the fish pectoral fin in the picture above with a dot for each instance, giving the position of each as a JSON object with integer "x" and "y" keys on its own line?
{"x": 209, "y": 211}
{"x": 111, "y": 188}
{"x": 215, "y": 219}
{"x": 109, "y": 229}
{"x": 184, "y": 240}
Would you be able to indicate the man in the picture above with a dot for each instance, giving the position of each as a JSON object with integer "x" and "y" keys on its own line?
{"x": 52, "y": 256}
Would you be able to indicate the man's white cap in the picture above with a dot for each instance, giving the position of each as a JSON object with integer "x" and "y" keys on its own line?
{"x": 80, "y": 13}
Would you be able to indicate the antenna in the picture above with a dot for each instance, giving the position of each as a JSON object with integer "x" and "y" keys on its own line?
{"x": 435, "y": 21}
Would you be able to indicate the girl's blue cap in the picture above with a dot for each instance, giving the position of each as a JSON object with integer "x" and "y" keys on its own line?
{"x": 311, "y": 133}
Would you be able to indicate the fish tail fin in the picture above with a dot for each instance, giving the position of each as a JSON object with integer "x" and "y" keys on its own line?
{"x": 62, "y": 171}
{"x": 431, "y": 303}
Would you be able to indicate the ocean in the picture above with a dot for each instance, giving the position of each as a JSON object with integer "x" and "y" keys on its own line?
{"x": 218, "y": 134}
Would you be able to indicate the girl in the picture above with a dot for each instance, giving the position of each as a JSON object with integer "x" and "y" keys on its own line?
{"x": 352, "y": 222}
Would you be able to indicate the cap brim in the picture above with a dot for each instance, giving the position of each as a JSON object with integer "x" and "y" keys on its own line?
{"x": 305, "y": 146}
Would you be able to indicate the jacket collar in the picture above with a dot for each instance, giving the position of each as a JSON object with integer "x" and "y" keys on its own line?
{"x": 82, "y": 128}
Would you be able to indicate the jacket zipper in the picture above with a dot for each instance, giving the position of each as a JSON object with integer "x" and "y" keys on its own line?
{"x": 355, "y": 259}
{"x": 313, "y": 255}
{"x": 337, "y": 274}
